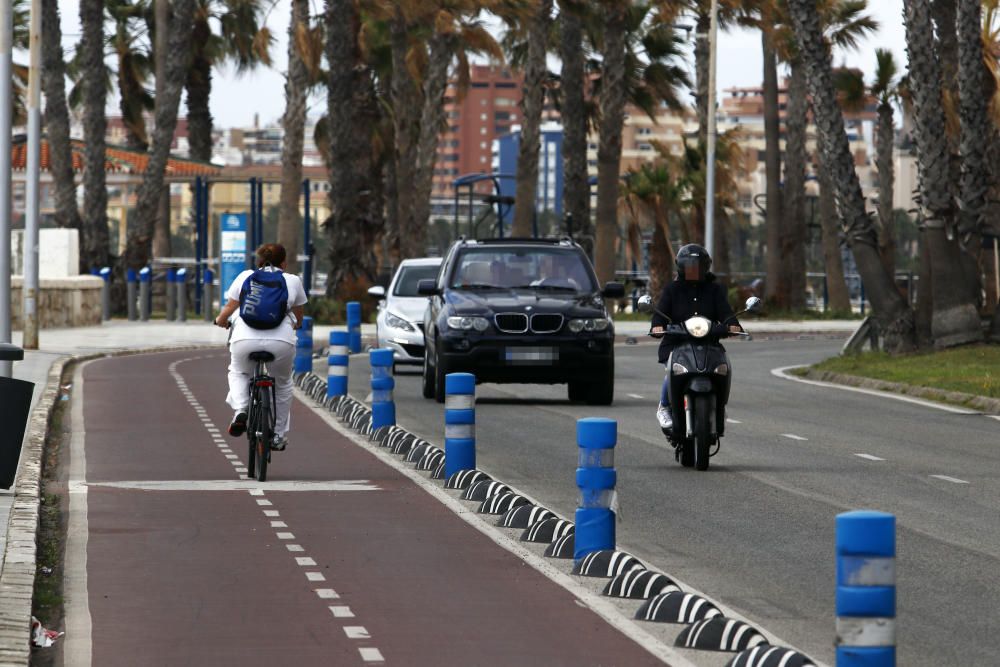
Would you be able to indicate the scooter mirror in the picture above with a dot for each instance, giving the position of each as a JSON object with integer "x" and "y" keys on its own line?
{"x": 645, "y": 304}
{"x": 753, "y": 304}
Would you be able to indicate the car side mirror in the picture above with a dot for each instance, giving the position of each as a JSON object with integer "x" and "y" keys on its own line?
{"x": 428, "y": 287}
{"x": 377, "y": 292}
{"x": 644, "y": 304}
{"x": 613, "y": 291}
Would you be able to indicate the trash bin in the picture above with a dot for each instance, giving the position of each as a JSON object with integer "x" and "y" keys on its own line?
{"x": 15, "y": 397}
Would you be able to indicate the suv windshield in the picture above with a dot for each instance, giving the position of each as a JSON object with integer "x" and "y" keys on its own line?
{"x": 409, "y": 276}
{"x": 553, "y": 268}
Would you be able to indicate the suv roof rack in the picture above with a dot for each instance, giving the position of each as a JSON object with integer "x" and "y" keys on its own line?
{"x": 564, "y": 240}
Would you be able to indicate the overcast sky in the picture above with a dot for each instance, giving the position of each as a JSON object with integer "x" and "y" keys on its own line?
{"x": 235, "y": 100}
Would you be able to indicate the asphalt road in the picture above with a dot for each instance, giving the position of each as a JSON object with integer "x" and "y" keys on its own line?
{"x": 757, "y": 530}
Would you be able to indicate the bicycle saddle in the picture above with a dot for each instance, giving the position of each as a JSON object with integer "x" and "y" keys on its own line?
{"x": 261, "y": 355}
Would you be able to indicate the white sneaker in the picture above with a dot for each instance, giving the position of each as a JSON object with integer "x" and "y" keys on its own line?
{"x": 279, "y": 442}
{"x": 664, "y": 418}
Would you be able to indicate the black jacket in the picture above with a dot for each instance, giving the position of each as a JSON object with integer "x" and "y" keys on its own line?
{"x": 682, "y": 299}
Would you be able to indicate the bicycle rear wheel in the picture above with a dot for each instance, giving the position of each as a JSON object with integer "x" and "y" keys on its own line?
{"x": 253, "y": 419}
{"x": 263, "y": 435}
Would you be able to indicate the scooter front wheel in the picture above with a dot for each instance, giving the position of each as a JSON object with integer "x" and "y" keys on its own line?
{"x": 702, "y": 445}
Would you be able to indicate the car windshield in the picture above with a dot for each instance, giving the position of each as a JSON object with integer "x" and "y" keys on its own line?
{"x": 556, "y": 269}
{"x": 410, "y": 276}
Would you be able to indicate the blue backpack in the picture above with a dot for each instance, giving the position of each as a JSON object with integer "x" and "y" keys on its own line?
{"x": 264, "y": 299}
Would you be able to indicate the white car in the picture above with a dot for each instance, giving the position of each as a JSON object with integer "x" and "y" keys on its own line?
{"x": 400, "y": 322}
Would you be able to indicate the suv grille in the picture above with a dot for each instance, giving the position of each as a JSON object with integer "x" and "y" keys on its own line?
{"x": 544, "y": 323}
{"x": 511, "y": 322}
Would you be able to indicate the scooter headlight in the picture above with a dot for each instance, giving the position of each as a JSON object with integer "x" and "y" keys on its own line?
{"x": 678, "y": 369}
{"x": 722, "y": 369}
{"x": 698, "y": 326}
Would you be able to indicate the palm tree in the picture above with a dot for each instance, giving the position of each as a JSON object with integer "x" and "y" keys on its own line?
{"x": 57, "y": 117}
{"x": 532, "y": 99}
{"x": 576, "y": 181}
{"x": 134, "y": 66}
{"x": 892, "y": 313}
{"x": 955, "y": 320}
{"x": 305, "y": 49}
{"x": 140, "y": 237}
{"x": 656, "y": 190}
{"x": 974, "y": 111}
{"x": 885, "y": 89}
{"x": 94, "y": 241}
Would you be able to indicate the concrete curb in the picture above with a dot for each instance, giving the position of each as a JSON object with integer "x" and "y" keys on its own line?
{"x": 19, "y": 562}
{"x": 983, "y": 403}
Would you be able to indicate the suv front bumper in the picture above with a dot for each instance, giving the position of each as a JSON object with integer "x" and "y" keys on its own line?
{"x": 531, "y": 359}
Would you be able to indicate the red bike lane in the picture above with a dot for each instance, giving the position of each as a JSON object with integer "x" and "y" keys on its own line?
{"x": 338, "y": 559}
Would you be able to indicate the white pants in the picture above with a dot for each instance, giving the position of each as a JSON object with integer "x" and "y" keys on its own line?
{"x": 241, "y": 369}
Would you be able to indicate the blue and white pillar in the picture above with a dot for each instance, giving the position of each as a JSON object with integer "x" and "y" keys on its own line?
{"x": 131, "y": 293}
{"x": 383, "y": 406}
{"x": 145, "y": 292}
{"x": 180, "y": 284}
{"x": 304, "y": 347}
{"x": 338, "y": 360}
{"x": 459, "y": 423}
{"x": 595, "y": 477}
{"x": 354, "y": 326}
{"x": 866, "y": 589}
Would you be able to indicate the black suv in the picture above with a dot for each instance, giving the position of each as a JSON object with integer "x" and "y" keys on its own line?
{"x": 520, "y": 310}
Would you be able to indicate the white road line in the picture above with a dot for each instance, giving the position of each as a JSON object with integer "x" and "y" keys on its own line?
{"x": 305, "y": 561}
{"x": 868, "y": 457}
{"x": 279, "y": 524}
{"x": 256, "y": 492}
{"x": 733, "y": 421}
{"x": 232, "y": 456}
{"x": 78, "y": 643}
{"x": 315, "y": 576}
{"x": 240, "y": 470}
{"x": 635, "y": 396}
{"x": 327, "y": 593}
{"x": 953, "y": 480}
{"x": 371, "y": 655}
{"x": 792, "y": 436}
{"x": 285, "y": 536}
{"x": 264, "y": 502}
{"x": 356, "y": 632}
{"x": 271, "y": 513}
{"x": 295, "y": 547}
{"x": 341, "y": 611}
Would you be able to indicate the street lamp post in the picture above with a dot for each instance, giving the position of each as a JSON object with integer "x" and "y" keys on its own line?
{"x": 30, "y": 283}
{"x": 713, "y": 32}
{"x": 6, "y": 46}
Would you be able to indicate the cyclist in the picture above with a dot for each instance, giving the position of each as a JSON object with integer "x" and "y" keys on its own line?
{"x": 279, "y": 341}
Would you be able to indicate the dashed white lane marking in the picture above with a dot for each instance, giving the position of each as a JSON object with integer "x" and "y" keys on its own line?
{"x": 371, "y": 655}
{"x": 271, "y": 513}
{"x": 286, "y": 536}
{"x": 256, "y": 492}
{"x": 869, "y": 457}
{"x": 294, "y": 547}
{"x": 279, "y": 524}
{"x": 327, "y": 593}
{"x": 242, "y": 471}
{"x": 231, "y": 456}
{"x": 356, "y": 632}
{"x": 263, "y": 501}
{"x": 305, "y": 561}
{"x": 341, "y": 611}
{"x": 315, "y": 576}
{"x": 953, "y": 480}
{"x": 733, "y": 421}
{"x": 792, "y": 436}
{"x": 637, "y": 396}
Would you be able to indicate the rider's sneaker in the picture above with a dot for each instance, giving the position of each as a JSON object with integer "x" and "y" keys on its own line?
{"x": 664, "y": 418}
{"x": 279, "y": 443}
{"x": 238, "y": 426}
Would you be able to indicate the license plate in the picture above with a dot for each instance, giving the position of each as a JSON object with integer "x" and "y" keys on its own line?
{"x": 531, "y": 356}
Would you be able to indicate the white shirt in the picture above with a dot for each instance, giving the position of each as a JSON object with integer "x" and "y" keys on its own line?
{"x": 283, "y": 332}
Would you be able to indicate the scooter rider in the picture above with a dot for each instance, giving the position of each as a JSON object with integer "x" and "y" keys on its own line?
{"x": 693, "y": 292}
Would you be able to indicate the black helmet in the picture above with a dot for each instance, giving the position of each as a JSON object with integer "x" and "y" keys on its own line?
{"x": 693, "y": 262}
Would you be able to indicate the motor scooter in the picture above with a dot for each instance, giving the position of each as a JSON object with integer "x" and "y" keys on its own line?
{"x": 700, "y": 377}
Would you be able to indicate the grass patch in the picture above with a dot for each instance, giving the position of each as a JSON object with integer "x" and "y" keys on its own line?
{"x": 972, "y": 369}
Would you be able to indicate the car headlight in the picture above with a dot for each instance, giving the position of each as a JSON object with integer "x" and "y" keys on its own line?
{"x": 698, "y": 326}
{"x": 678, "y": 369}
{"x": 464, "y": 323}
{"x": 397, "y": 322}
{"x": 589, "y": 324}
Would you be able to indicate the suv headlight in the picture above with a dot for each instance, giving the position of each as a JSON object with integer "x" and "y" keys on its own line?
{"x": 397, "y": 322}
{"x": 589, "y": 324}
{"x": 463, "y": 323}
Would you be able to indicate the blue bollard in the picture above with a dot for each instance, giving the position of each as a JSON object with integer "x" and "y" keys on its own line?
{"x": 208, "y": 283}
{"x": 354, "y": 326}
{"x": 383, "y": 407}
{"x": 336, "y": 376}
{"x": 171, "y": 294}
{"x": 105, "y": 274}
{"x": 304, "y": 346}
{"x": 145, "y": 293}
{"x": 595, "y": 477}
{"x": 459, "y": 423}
{"x": 180, "y": 284}
{"x": 132, "y": 293}
{"x": 866, "y": 589}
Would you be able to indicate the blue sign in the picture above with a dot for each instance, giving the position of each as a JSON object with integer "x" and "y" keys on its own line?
{"x": 233, "y": 250}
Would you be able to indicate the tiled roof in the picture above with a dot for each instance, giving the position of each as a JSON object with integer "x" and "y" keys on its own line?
{"x": 117, "y": 160}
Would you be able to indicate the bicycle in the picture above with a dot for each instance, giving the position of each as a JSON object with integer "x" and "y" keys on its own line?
{"x": 260, "y": 417}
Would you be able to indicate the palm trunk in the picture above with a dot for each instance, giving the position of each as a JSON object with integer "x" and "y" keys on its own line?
{"x": 955, "y": 320}
{"x": 773, "y": 289}
{"x": 886, "y": 179}
{"x": 839, "y": 300}
{"x": 294, "y": 122}
{"x": 893, "y": 315}
{"x": 57, "y": 117}
{"x": 94, "y": 242}
{"x": 609, "y": 150}
{"x": 140, "y": 235}
{"x": 199, "y": 90}
{"x": 532, "y": 101}
{"x": 161, "y": 231}
{"x": 576, "y": 182}
{"x": 793, "y": 232}
{"x": 661, "y": 255}
{"x": 975, "y": 118}
{"x": 406, "y": 106}
{"x": 441, "y": 49}
{"x": 130, "y": 104}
